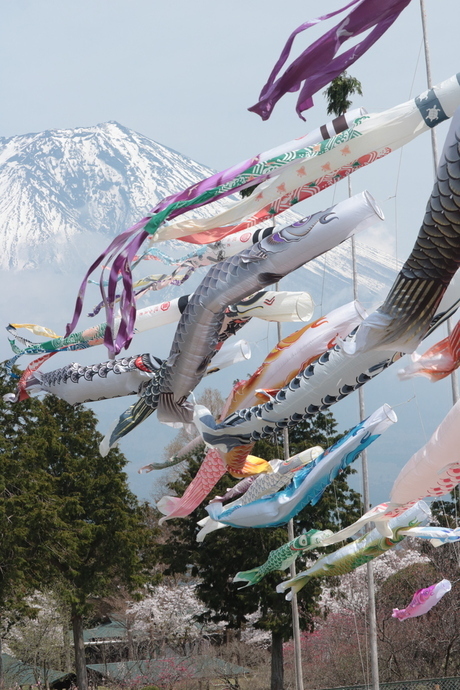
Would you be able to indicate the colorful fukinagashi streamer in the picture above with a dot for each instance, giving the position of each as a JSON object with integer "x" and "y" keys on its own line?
{"x": 284, "y": 557}
{"x": 358, "y": 552}
{"x": 308, "y": 483}
{"x": 319, "y": 64}
{"x": 439, "y": 361}
{"x": 372, "y": 137}
{"x": 423, "y": 601}
{"x": 339, "y": 124}
{"x": 397, "y": 326}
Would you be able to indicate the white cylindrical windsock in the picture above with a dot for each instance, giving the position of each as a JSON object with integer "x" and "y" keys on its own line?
{"x": 230, "y": 353}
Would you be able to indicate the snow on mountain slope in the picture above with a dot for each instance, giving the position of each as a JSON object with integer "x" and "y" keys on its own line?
{"x": 65, "y": 192}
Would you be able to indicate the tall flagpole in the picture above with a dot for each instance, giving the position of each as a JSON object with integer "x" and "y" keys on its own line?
{"x": 365, "y": 474}
{"x": 292, "y": 571}
{"x": 434, "y": 147}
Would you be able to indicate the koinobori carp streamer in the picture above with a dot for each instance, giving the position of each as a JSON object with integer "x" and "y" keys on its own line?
{"x": 360, "y": 551}
{"x": 397, "y": 326}
{"x": 264, "y": 263}
{"x": 320, "y": 165}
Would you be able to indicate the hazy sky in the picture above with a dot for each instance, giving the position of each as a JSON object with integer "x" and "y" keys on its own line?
{"x": 184, "y": 73}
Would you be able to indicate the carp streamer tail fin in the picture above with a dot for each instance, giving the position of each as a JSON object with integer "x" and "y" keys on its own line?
{"x": 251, "y": 577}
{"x": 127, "y": 421}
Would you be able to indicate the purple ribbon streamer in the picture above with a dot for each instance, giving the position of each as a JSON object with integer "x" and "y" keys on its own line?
{"x": 115, "y": 245}
{"x": 122, "y": 266}
{"x": 205, "y": 185}
{"x": 317, "y": 65}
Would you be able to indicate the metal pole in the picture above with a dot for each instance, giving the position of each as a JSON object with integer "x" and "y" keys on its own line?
{"x": 434, "y": 148}
{"x": 292, "y": 572}
{"x": 370, "y": 566}
{"x": 434, "y": 141}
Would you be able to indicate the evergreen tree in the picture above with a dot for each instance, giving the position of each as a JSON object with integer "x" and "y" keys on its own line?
{"x": 23, "y": 512}
{"x": 66, "y": 513}
{"x": 98, "y": 535}
{"x": 339, "y": 91}
{"x": 226, "y": 551}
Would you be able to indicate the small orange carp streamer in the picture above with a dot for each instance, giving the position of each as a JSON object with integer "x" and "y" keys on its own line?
{"x": 438, "y": 362}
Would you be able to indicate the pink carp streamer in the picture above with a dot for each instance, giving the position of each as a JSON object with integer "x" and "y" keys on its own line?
{"x": 211, "y": 470}
{"x": 423, "y": 601}
{"x": 319, "y": 64}
{"x": 438, "y": 362}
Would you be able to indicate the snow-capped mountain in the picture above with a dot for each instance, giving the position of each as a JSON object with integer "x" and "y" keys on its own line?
{"x": 64, "y": 192}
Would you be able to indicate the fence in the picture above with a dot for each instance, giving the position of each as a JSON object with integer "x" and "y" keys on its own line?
{"x": 425, "y": 684}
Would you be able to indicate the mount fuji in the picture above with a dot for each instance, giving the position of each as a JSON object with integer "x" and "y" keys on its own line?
{"x": 64, "y": 194}
{"x": 62, "y": 189}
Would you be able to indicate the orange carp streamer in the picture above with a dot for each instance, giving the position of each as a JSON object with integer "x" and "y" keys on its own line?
{"x": 294, "y": 353}
{"x": 438, "y": 362}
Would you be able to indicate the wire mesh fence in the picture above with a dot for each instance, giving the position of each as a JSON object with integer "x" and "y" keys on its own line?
{"x": 424, "y": 684}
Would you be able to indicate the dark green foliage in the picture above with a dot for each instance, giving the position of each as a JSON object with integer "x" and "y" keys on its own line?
{"x": 67, "y": 517}
{"x": 226, "y": 551}
{"x": 339, "y": 91}
{"x": 65, "y": 511}
{"x": 98, "y": 532}
{"x": 23, "y": 511}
